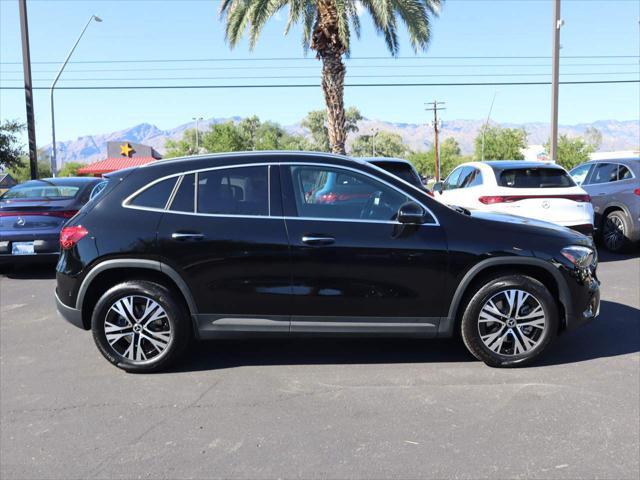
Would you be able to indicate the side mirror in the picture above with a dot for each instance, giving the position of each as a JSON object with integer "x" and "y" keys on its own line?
{"x": 438, "y": 187}
{"x": 411, "y": 213}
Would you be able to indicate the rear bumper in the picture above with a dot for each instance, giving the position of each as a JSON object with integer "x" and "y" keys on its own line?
{"x": 46, "y": 246}
{"x": 71, "y": 315}
{"x": 585, "y": 229}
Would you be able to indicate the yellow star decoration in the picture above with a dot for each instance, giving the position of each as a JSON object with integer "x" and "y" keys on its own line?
{"x": 126, "y": 149}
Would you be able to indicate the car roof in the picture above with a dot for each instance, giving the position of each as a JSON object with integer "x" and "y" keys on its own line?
{"x": 511, "y": 164}
{"x": 62, "y": 181}
{"x": 616, "y": 160}
{"x": 384, "y": 159}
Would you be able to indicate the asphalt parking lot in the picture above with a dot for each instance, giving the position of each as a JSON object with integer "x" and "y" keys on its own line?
{"x": 319, "y": 408}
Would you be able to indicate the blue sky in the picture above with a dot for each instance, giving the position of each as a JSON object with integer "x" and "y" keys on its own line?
{"x": 191, "y": 29}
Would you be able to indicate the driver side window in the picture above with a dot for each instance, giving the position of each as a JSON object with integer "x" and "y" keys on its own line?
{"x": 334, "y": 193}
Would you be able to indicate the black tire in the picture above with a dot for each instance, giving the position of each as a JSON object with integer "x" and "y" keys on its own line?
{"x": 615, "y": 231}
{"x": 495, "y": 288}
{"x": 176, "y": 325}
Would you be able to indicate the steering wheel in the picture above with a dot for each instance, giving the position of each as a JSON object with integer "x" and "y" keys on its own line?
{"x": 367, "y": 210}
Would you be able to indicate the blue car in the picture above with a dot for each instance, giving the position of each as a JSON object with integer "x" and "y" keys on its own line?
{"x": 33, "y": 213}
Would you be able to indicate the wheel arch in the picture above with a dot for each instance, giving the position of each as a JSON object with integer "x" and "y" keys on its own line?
{"x": 611, "y": 207}
{"x": 534, "y": 267}
{"x": 110, "y": 272}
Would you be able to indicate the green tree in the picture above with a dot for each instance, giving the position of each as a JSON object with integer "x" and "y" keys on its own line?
{"x": 21, "y": 171}
{"x": 70, "y": 169}
{"x": 327, "y": 26}
{"x": 572, "y": 151}
{"x": 501, "y": 143}
{"x": 450, "y": 157}
{"x": 387, "y": 144}
{"x": 10, "y": 147}
{"x": 316, "y": 123}
{"x": 225, "y": 137}
{"x": 181, "y": 148}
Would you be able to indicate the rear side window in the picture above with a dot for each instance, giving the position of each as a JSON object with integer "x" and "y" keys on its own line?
{"x": 470, "y": 178}
{"x": 183, "y": 200}
{"x": 234, "y": 191}
{"x": 604, "y": 173}
{"x": 156, "y": 196}
{"x": 624, "y": 173}
{"x": 535, "y": 178}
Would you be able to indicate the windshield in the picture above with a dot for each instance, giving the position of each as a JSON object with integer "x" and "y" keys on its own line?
{"x": 27, "y": 192}
{"x": 403, "y": 171}
{"x": 535, "y": 178}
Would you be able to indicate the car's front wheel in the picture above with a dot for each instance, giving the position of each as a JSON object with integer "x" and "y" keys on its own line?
{"x": 509, "y": 321}
{"x": 140, "y": 326}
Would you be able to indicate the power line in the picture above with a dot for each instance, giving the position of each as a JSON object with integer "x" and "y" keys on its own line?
{"x": 351, "y": 85}
{"x": 292, "y": 59}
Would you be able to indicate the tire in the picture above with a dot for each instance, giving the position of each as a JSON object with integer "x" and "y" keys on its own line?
{"x": 615, "y": 231}
{"x": 140, "y": 326}
{"x": 516, "y": 341}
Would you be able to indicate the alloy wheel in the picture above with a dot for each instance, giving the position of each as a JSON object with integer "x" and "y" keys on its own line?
{"x": 613, "y": 233}
{"x": 512, "y": 322}
{"x": 137, "y": 328}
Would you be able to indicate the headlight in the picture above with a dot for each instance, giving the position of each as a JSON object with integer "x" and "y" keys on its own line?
{"x": 581, "y": 257}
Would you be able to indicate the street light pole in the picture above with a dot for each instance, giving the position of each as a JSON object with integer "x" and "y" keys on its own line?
{"x": 555, "y": 73}
{"x": 484, "y": 129}
{"x": 197, "y": 119}
{"x": 54, "y": 163}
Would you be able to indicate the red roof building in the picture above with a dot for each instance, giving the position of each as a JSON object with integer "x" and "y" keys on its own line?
{"x": 121, "y": 155}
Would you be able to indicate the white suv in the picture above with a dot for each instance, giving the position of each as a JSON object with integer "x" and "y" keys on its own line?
{"x": 539, "y": 190}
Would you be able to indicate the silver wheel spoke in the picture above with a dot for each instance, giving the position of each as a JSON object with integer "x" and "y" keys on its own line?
{"x": 146, "y": 335}
{"x": 535, "y": 313}
{"x": 537, "y": 323}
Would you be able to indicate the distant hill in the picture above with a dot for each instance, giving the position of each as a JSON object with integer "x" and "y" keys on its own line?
{"x": 616, "y": 135}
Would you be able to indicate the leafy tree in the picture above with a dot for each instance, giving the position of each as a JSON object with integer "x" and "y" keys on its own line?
{"x": 572, "y": 151}
{"x": 10, "y": 148}
{"x": 224, "y": 137}
{"x": 180, "y": 148}
{"x": 70, "y": 169}
{"x": 450, "y": 157}
{"x": 387, "y": 144}
{"x": 327, "y": 26}
{"x": 316, "y": 122}
{"x": 501, "y": 143}
{"x": 21, "y": 171}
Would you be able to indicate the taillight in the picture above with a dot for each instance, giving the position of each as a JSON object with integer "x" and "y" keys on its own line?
{"x": 491, "y": 199}
{"x": 637, "y": 191}
{"x": 43, "y": 213}
{"x": 69, "y": 236}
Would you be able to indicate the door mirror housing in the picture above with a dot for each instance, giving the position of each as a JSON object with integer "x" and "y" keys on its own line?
{"x": 411, "y": 213}
{"x": 438, "y": 187}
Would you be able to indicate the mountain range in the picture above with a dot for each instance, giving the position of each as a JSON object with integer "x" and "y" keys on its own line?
{"x": 616, "y": 135}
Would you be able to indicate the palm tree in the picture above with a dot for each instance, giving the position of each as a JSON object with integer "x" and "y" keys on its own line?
{"x": 327, "y": 26}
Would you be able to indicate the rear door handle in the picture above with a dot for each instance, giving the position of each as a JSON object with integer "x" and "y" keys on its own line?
{"x": 317, "y": 240}
{"x": 187, "y": 236}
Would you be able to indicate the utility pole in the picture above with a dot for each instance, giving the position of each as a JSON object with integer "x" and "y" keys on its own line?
{"x": 197, "y": 120}
{"x": 436, "y": 148}
{"x": 28, "y": 90}
{"x": 555, "y": 73}
{"x": 484, "y": 129}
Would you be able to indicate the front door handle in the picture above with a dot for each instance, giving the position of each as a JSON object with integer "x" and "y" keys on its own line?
{"x": 187, "y": 236}
{"x": 317, "y": 240}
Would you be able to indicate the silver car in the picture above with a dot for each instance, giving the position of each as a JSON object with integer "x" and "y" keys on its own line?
{"x": 614, "y": 187}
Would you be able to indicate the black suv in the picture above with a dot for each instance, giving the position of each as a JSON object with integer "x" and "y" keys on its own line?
{"x": 310, "y": 243}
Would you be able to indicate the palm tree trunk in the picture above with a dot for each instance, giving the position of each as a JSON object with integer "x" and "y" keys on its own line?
{"x": 326, "y": 42}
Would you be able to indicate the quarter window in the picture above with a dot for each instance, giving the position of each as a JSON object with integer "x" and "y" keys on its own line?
{"x": 333, "y": 193}
{"x": 184, "y": 198}
{"x": 234, "y": 191}
{"x": 624, "y": 173}
{"x": 156, "y": 196}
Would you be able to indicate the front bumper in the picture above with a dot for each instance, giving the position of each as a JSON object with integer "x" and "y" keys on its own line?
{"x": 71, "y": 315}
{"x": 586, "y": 304}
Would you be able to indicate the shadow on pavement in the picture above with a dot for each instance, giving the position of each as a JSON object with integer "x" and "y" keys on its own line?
{"x": 604, "y": 256}
{"x": 615, "y": 332}
{"x": 42, "y": 271}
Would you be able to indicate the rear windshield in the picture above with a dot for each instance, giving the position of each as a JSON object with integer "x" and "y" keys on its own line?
{"x": 534, "y": 178}
{"x": 56, "y": 192}
{"x": 401, "y": 170}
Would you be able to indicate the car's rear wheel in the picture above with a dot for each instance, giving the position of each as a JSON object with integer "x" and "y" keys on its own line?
{"x": 140, "y": 326}
{"x": 509, "y": 321}
{"x": 615, "y": 231}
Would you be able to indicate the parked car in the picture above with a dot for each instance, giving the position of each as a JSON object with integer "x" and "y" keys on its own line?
{"x": 399, "y": 167}
{"x": 537, "y": 190}
{"x": 33, "y": 213}
{"x": 242, "y": 243}
{"x": 614, "y": 187}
